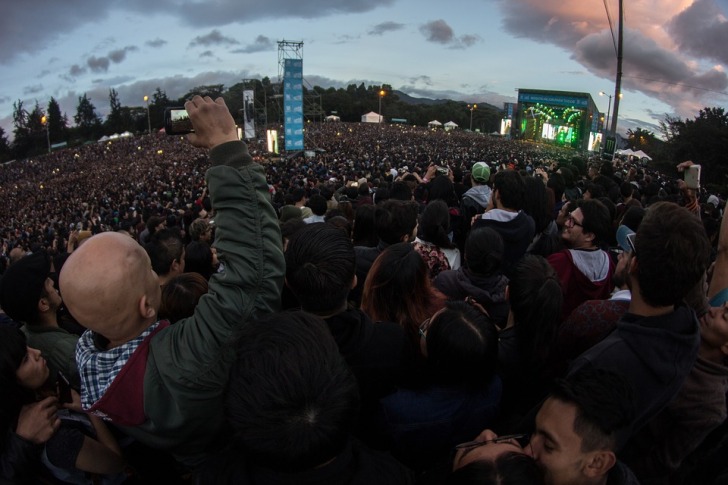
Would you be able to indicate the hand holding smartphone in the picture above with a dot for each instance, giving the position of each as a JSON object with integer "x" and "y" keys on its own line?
{"x": 692, "y": 177}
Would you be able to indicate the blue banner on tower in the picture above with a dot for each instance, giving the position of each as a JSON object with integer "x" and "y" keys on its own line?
{"x": 293, "y": 103}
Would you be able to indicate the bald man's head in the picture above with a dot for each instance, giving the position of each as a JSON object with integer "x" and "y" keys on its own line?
{"x": 108, "y": 285}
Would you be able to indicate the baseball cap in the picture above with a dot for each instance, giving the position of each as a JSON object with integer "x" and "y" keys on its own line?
{"x": 480, "y": 172}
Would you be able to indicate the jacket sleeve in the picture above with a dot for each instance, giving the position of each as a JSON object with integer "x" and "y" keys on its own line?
{"x": 19, "y": 459}
{"x": 248, "y": 241}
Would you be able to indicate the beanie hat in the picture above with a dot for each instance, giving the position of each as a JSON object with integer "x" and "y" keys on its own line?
{"x": 22, "y": 286}
{"x": 480, "y": 172}
{"x": 290, "y": 212}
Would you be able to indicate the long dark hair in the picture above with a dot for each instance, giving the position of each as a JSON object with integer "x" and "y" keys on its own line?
{"x": 13, "y": 347}
{"x": 398, "y": 289}
{"x": 435, "y": 224}
{"x": 536, "y": 300}
{"x": 462, "y": 346}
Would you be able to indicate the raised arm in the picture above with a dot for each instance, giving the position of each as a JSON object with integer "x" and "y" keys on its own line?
{"x": 719, "y": 281}
{"x": 248, "y": 242}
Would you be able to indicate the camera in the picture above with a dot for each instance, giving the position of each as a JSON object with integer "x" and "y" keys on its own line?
{"x": 177, "y": 121}
{"x": 442, "y": 170}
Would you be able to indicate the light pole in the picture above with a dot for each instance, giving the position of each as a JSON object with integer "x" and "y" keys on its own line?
{"x": 382, "y": 92}
{"x": 44, "y": 121}
{"x": 149, "y": 119}
{"x": 472, "y": 108}
{"x": 610, "y": 96}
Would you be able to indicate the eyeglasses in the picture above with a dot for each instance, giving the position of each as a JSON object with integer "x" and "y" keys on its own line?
{"x": 573, "y": 222}
{"x": 522, "y": 440}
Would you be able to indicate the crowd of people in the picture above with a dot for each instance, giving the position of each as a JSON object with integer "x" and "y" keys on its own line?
{"x": 394, "y": 305}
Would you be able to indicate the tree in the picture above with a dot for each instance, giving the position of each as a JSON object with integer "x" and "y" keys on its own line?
{"x": 5, "y": 151}
{"x": 87, "y": 121}
{"x": 640, "y": 139}
{"x": 57, "y": 122}
{"x": 704, "y": 140}
{"x": 20, "y": 124}
{"x": 157, "y": 105}
{"x": 30, "y": 135}
{"x": 213, "y": 90}
{"x": 115, "y": 120}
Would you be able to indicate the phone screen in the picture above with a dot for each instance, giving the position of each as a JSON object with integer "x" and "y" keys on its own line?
{"x": 177, "y": 121}
{"x": 64, "y": 389}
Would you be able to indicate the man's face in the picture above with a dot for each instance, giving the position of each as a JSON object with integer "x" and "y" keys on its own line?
{"x": 714, "y": 328}
{"x": 563, "y": 214}
{"x": 51, "y": 294}
{"x": 573, "y": 233}
{"x": 556, "y": 446}
{"x": 487, "y": 452}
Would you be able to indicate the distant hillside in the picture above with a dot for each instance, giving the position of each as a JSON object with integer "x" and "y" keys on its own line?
{"x": 406, "y": 98}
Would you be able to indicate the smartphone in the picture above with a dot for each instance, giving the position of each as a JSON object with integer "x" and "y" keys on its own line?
{"x": 64, "y": 389}
{"x": 692, "y": 177}
{"x": 443, "y": 170}
{"x": 630, "y": 240}
{"x": 177, "y": 121}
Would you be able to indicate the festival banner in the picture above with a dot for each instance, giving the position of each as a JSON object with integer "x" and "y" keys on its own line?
{"x": 249, "y": 114}
{"x": 293, "y": 103}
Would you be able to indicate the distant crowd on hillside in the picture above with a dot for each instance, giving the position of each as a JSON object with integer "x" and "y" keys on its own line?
{"x": 393, "y": 305}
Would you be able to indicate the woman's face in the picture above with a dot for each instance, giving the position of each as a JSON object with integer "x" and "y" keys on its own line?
{"x": 33, "y": 371}
{"x": 491, "y": 448}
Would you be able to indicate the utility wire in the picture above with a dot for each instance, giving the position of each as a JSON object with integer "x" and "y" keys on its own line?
{"x": 611, "y": 26}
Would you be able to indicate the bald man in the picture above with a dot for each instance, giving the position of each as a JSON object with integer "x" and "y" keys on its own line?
{"x": 163, "y": 384}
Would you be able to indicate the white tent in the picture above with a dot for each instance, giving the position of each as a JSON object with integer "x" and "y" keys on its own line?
{"x": 333, "y": 118}
{"x": 627, "y": 152}
{"x": 126, "y": 134}
{"x": 450, "y": 125}
{"x": 372, "y": 117}
{"x": 640, "y": 154}
{"x": 434, "y": 124}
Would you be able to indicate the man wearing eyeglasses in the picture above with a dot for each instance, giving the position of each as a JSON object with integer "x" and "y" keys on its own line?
{"x": 585, "y": 270}
{"x": 655, "y": 343}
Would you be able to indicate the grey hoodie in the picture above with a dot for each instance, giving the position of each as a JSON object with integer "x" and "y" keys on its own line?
{"x": 480, "y": 194}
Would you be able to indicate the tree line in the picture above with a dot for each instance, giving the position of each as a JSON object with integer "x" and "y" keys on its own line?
{"x": 37, "y": 128}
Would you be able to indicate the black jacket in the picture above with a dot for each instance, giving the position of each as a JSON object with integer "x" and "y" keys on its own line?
{"x": 379, "y": 354}
{"x": 517, "y": 235}
{"x": 654, "y": 353}
{"x": 20, "y": 460}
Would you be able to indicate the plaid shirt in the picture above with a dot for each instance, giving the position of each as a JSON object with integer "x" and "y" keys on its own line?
{"x": 98, "y": 368}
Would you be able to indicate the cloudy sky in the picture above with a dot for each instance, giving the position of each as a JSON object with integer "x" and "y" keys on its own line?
{"x": 675, "y": 53}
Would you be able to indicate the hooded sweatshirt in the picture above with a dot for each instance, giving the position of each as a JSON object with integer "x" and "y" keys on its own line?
{"x": 584, "y": 275}
{"x": 480, "y": 194}
{"x": 517, "y": 230}
{"x": 489, "y": 291}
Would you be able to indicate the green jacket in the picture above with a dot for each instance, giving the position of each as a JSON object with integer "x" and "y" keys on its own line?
{"x": 186, "y": 366}
{"x": 58, "y": 348}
